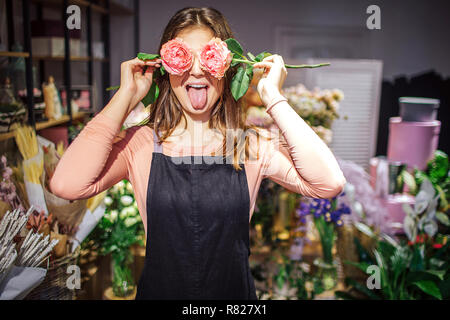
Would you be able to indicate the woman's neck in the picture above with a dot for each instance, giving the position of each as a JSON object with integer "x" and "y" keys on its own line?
{"x": 196, "y": 132}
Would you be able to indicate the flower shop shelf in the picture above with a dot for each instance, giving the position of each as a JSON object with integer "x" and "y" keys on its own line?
{"x": 14, "y": 54}
{"x": 47, "y": 124}
{"x": 65, "y": 118}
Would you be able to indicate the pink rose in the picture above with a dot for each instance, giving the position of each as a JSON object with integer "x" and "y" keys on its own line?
{"x": 176, "y": 56}
{"x": 215, "y": 57}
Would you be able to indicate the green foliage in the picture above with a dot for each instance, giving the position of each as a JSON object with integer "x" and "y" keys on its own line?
{"x": 241, "y": 82}
{"x": 119, "y": 229}
{"x": 234, "y": 46}
{"x": 147, "y": 56}
{"x": 406, "y": 270}
{"x": 438, "y": 173}
{"x": 327, "y": 236}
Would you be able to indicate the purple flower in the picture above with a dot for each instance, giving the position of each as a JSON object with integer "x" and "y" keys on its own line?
{"x": 315, "y": 203}
{"x": 345, "y": 209}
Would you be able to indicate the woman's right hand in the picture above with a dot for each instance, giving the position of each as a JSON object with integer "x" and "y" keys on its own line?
{"x": 134, "y": 82}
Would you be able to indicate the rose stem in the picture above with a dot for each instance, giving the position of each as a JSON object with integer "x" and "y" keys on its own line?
{"x": 287, "y": 65}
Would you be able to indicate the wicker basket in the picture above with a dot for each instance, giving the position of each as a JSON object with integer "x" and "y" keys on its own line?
{"x": 54, "y": 286}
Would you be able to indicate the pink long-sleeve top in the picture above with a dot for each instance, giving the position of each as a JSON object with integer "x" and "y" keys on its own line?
{"x": 95, "y": 160}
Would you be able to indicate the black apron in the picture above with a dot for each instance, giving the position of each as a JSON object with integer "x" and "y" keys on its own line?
{"x": 197, "y": 230}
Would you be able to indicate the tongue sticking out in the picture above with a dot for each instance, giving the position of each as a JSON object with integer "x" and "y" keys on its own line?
{"x": 197, "y": 97}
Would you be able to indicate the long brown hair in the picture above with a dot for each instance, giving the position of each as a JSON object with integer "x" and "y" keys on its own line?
{"x": 166, "y": 112}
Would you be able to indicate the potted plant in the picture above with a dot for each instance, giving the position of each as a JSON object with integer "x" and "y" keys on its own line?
{"x": 412, "y": 268}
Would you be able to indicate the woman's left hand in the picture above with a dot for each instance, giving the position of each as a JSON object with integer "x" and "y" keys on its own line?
{"x": 271, "y": 82}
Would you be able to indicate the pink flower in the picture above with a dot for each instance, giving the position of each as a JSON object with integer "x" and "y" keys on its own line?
{"x": 216, "y": 57}
{"x": 176, "y": 56}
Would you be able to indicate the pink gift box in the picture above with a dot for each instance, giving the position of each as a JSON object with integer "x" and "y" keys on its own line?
{"x": 413, "y": 143}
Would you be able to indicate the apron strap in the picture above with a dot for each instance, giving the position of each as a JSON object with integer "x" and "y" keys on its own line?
{"x": 156, "y": 147}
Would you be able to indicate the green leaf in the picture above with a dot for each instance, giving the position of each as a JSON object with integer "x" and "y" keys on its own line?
{"x": 234, "y": 46}
{"x": 147, "y": 56}
{"x": 241, "y": 82}
{"x": 420, "y": 176}
{"x": 430, "y": 288}
{"x": 443, "y": 218}
{"x": 425, "y": 275}
{"x": 438, "y": 166}
{"x": 442, "y": 197}
{"x": 438, "y": 273}
{"x": 409, "y": 180}
{"x": 152, "y": 94}
{"x": 262, "y": 55}
{"x": 364, "y": 229}
{"x": 251, "y": 56}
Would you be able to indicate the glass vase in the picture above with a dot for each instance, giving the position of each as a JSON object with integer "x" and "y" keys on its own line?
{"x": 327, "y": 273}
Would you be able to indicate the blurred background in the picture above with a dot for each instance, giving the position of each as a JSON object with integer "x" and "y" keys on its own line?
{"x": 382, "y": 107}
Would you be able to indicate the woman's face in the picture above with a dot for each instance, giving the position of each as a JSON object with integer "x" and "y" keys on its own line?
{"x": 197, "y": 104}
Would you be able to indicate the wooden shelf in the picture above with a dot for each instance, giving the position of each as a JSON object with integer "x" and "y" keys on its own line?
{"x": 46, "y": 124}
{"x": 72, "y": 58}
{"x": 62, "y": 120}
{"x": 14, "y": 54}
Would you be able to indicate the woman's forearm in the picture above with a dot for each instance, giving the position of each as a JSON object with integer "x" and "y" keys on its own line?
{"x": 119, "y": 106}
{"x": 312, "y": 158}
{"x": 92, "y": 162}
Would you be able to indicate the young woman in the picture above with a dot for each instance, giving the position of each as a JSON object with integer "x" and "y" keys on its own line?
{"x": 196, "y": 212}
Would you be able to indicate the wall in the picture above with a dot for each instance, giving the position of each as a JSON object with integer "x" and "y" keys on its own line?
{"x": 411, "y": 39}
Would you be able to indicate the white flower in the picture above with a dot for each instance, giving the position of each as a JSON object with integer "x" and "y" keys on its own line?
{"x": 130, "y": 221}
{"x": 126, "y": 200}
{"x": 113, "y": 215}
{"x": 108, "y": 201}
{"x": 119, "y": 186}
{"x": 338, "y": 94}
{"x": 130, "y": 188}
{"x": 127, "y": 212}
